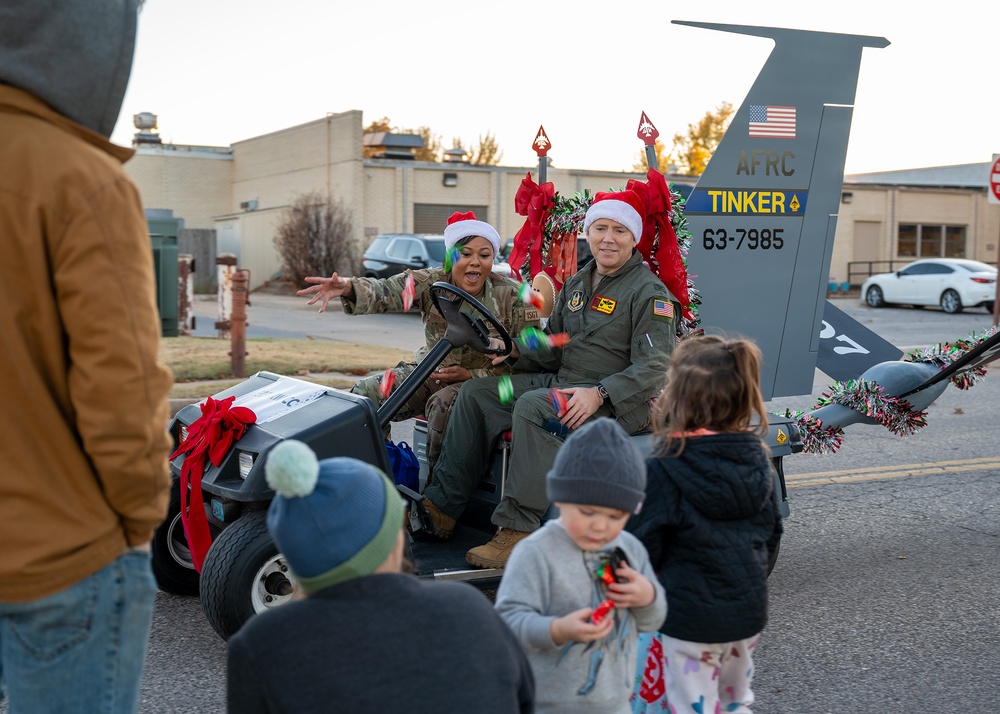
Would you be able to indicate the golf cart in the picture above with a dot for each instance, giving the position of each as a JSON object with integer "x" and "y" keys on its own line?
{"x": 243, "y": 573}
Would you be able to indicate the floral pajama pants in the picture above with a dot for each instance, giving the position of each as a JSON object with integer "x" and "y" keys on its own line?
{"x": 694, "y": 677}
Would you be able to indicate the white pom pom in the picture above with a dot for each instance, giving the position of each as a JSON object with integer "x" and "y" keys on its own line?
{"x": 292, "y": 469}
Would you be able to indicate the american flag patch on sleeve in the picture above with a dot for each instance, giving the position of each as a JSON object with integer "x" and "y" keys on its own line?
{"x": 663, "y": 308}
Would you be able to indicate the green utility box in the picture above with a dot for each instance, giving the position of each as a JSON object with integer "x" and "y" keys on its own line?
{"x": 163, "y": 236}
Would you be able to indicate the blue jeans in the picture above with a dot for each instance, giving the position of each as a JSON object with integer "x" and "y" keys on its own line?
{"x": 82, "y": 649}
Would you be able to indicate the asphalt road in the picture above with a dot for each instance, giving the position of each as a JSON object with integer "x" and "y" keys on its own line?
{"x": 886, "y": 596}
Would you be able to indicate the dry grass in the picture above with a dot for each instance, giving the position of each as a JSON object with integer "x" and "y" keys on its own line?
{"x": 207, "y": 358}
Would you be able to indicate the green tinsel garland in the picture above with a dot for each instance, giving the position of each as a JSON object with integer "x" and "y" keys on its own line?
{"x": 869, "y": 398}
{"x": 893, "y": 413}
{"x": 947, "y": 353}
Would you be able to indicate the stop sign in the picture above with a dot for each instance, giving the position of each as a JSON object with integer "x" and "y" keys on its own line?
{"x": 994, "y": 194}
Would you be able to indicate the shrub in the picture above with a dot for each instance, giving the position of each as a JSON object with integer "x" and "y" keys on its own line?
{"x": 314, "y": 238}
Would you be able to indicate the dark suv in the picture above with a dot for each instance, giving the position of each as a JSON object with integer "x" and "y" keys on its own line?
{"x": 392, "y": 253}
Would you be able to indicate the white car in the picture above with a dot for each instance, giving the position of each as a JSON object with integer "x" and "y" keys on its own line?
{"x": 952, "y": 283}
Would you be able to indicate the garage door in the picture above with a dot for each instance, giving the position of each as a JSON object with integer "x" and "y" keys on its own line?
{"x": 432, "y": 217}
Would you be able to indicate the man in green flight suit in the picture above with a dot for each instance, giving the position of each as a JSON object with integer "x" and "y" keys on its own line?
{"x": 620, "y": 319}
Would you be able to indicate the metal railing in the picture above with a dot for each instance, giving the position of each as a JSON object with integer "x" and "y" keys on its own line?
{"x": 859, "y": 270}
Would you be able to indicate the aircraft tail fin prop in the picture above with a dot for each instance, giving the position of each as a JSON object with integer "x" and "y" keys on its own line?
{"x": 764, "y": 213}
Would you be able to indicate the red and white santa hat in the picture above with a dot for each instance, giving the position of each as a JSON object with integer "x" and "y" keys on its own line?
{"x": 465, "y": 225}
{"x": 624, "y": 207}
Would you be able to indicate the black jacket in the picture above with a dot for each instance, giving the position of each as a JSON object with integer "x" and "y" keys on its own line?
{"x": 709, "y": 521}
{"x": 380, "y": 643}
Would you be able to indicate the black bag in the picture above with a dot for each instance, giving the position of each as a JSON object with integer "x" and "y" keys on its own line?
{"x": 405, "y": 466}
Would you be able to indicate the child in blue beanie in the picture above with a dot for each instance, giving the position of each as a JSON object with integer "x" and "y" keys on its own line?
{"x": 578, "y": 591}
{"x": 366, "y": 636}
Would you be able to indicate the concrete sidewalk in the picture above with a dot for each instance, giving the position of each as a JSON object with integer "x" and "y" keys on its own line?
{"x": 289, "y": 316}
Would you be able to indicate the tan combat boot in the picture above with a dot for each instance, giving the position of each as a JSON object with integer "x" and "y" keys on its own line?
{"x": 443, "y": 524}
{"x": 495, "y": 553}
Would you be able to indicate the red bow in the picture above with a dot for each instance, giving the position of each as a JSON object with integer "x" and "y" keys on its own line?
{"x": 534, "y": 202}
{"x": 658, "y": 233}
{"x": 210, "y": 435}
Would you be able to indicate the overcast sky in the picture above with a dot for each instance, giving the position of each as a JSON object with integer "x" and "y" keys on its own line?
{"x": 220, "y": 71}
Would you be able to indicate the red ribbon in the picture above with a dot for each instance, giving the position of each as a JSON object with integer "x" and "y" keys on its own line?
{"x": 666, "y": 262}
{"x": 211, "y": 435}
{"x": 535, "y": 203}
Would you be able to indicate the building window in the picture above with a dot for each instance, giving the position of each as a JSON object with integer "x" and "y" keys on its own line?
{"x": 916, "y": 240}
{"x": 954, "y": 242}
{"x": 906, "y": 246}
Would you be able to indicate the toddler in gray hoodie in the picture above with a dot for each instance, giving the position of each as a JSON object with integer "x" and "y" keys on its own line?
{"x": 578, "y": 591}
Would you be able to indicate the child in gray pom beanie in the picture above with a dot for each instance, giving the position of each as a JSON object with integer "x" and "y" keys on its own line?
{"x": 578, "y": 591}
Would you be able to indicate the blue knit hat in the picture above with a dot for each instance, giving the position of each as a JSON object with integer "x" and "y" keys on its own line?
{"x": 333, "y": 520}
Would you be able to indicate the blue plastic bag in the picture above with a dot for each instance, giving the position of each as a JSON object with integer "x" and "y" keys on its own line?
{"x": 405, "y": 466}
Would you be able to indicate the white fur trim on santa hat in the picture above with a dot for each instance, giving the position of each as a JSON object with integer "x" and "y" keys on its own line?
{"x": 622, "y": 206}
{"x": 468, "y": 227}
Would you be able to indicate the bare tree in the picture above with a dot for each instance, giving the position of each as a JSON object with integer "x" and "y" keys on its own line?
{"x": 314, "y": 237}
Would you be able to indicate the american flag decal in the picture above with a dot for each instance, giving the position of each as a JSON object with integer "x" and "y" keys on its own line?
{"x": 663, "y": 308}
{"x": 769, "y": 122}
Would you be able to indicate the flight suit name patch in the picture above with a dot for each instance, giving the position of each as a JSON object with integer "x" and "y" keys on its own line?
{"x": 603, "y": 304}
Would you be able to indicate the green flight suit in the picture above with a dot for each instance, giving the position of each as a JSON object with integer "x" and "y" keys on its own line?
{"x": 621, "y": 335}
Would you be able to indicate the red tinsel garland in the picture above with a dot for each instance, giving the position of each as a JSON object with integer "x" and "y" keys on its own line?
{"x": 210, "y": 436}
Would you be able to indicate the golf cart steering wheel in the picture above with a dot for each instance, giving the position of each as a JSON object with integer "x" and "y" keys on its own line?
{"x": 463, "y": 328}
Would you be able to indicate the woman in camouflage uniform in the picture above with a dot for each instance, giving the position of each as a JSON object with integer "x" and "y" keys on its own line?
{"x": 476, "y": 243}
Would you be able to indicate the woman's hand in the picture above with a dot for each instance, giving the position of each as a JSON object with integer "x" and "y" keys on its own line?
{"x": 326, "y": 289}
{"x": 497, "y": 344}
{"x": 452, "y": 374}
{"x": 577, "y": 627}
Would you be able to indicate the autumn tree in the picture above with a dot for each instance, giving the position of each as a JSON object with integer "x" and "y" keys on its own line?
{"x": 430, "y": 151}
{"x": 432, "y": 148}
{"x": 663, "y": 160}
{"x": 383, "y": 124}
{"x": 487, "y": 152}
{"x": 692, "y": 150}
{"x": 377, "y": 126}
{"x": 314, "y": 238}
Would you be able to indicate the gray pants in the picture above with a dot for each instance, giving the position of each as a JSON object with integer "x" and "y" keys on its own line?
{"x": 478, "y": 419}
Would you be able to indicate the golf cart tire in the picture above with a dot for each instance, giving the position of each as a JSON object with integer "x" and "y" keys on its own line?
{"x": 233, "y": 575}
{"x": 171, "y": 559}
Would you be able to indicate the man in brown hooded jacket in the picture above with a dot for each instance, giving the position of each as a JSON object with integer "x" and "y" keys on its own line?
{"x": 83, "y": 412}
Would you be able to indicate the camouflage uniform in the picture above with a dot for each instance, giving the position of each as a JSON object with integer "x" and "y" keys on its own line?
{"x": 434, "y": 399}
